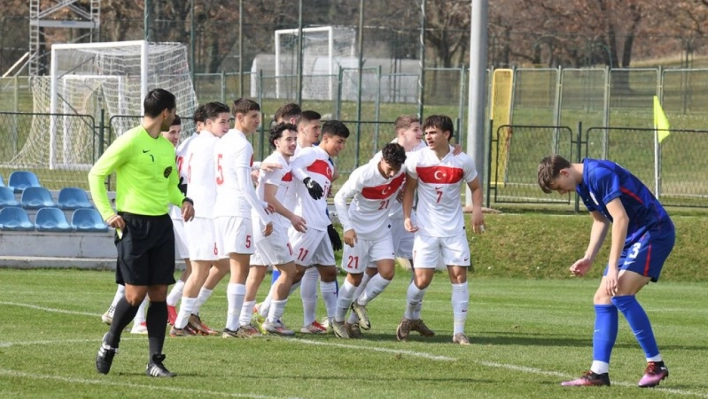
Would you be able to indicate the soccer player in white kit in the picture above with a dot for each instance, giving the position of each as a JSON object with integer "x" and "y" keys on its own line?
{"x": 201, "y": 233}
{"x": 437, "y": 176}
{"x": 367, "y": 237}
{"x": 275, "y": 249}
{"x": 181, "y": 248}
{"x": 313, "y": 173}
{"x": 235, "y": 199}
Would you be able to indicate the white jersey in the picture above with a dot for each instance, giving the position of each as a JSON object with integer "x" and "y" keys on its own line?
{"x": 314, "y": 163}
{"x": 180, "y": 154}
{"x": 235, "y": 195}
{"x": 282, "y": 178}
{"x": 396, "y": 209}
{"x": 372, "y": 195}
{"x": 439, "y": 211}
{"x": 199, "y": 165}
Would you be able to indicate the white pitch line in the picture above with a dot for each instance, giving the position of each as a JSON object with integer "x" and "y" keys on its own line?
{"x": 532, "y": 370}
{"x": 12, "y": 373}
{"x": 54, "y": 310}
{"x": 376, "y": 349}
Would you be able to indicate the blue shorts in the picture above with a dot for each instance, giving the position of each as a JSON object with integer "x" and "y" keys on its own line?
{"x": 647, "y": 255}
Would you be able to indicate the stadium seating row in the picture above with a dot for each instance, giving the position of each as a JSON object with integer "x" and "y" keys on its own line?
{"x": 70, "y": 198}
{"x": 14, "y": 218}
{"x": 20, "y": 180}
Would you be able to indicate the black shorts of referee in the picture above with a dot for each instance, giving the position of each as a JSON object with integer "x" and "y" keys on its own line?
{"x": 146, "y": 251}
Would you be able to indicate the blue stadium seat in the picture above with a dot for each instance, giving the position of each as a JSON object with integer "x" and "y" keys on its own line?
{"x": 36, "y": 197}
{"x": 21, "y": 179}
{"x": 51, "y": 219}
{"x": 89, "y": 220}
{"x": 7, "y": 197}
{"x": 73, "y": 198}
{"x": 14, "y": 218}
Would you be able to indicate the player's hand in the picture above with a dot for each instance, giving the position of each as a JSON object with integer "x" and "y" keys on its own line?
{"x": 269, "y": 208}
{"x": 580, "y": 267}
{"x": 313, "y": 188}
{"x": 254, "y": 176}
{"x": 456, "y": 149}
{"x": 269, "y": 167}
{"x": 299, "y": 223}
{"x": 611, "y": 281}
{"x": 477, "y": 221}
{"x": 268, "y": 229}
{"x": 334, "y": 238}
{"x": 116, "y": 221}
{"x": 408, "y": 224}
{"x": 187, "y": 211}
{"x": 350, "y": 237}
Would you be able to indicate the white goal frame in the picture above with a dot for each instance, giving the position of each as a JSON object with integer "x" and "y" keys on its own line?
{"x": 330, "y": 54}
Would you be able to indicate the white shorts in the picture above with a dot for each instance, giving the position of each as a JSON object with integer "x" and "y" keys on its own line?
{"x": 234, "y": 235}
{"x": 402, "y": 239}
{"x": 201, "y": 239}
{"x": 429, "y": 251}
{"x": 274, "y": 249}
{"x": 312, "y": 247}
{"x": 181, "y": 248}
{"x": 366, "y": 252}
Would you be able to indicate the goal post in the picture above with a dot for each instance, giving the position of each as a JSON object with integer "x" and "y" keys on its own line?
{"x": 329, "y": 42}
{"x": 91, "y": 80}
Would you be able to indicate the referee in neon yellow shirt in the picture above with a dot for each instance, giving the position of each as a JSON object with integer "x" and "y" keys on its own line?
{"x": 146, "y": 183}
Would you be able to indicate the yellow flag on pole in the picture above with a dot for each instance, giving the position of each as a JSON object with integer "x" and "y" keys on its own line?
{"x": 661, "y": 123}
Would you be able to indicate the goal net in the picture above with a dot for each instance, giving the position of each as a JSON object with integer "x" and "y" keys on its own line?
{"x": 323, "y": 49}
{"x": 88, "y": 78}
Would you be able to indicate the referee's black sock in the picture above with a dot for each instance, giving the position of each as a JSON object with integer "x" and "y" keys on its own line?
{"x": 156, "y": 321}
{"x": 122, "y": 316}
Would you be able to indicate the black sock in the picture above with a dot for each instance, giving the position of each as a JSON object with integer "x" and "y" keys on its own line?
{"x": 123, "y": 315}
{"x": 156, "y": 323}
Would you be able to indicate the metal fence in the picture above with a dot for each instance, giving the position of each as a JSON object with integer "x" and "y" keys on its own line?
{"x": 669, "y": 170}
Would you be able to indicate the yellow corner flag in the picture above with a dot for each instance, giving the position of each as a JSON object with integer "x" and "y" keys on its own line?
{"x": 661, "y": 124}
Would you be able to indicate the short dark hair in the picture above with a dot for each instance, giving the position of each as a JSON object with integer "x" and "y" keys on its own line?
{"x": 199, "y": 115}
{"x": 276, "y": 132}
{"x": 214, "y": 108}
{"x": 335, "y": 128}
{"x": 394, "y": 154}
{"x": 549, "y": 169}
{"x": 442, "y": 122}
{"x": 287, "y": 111}
{"x": 177, "y": 121}
{"x": 308, "y": 116}
{"x": 244, "y": 106}
{"x": 158, "y": 100}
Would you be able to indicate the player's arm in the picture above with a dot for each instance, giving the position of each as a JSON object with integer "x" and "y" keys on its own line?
{"x": 477, "y": 198}
{"x": 115, "y": 155}
{"x": 344, "y": 195}
{"x": 243, "y": 179}
{"x": 407, "y": 203}
{"x": 269, "y": 191}
{"x": 620, "y": 222}
{"x": 298, "y": 167}
{"x": 598, "y": 232}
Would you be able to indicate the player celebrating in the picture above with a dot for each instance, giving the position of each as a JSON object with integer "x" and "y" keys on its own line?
{"x": 314, "y": 247}
{"x": 436, "y": 173}
{"x": 235, "y": 198}
{"x": 201, "y": 233}
{"x": 371, "y": 188}
{"x": 275, "y": 249}
{"x": 642, "y": 238}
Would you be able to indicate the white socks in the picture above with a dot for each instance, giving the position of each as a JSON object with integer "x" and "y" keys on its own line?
{"x": 175, "y": 293}
{"x": 277, "y": 309}
{"x": 460, "y": 298}
{"x": 308, "y": 293}
{"x": 373, "y": 289}
{"x": 344, "y": 300}
{"x": 246, "y": 313}
{"x": 329, "y": 296}
{"x": 204, "y": 294}
{"x": 186, "y": 309}
{"x": 414, "y": 298}
{"x": 235, "y": 294}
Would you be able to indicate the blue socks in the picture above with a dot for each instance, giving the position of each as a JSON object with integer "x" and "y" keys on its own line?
{"x": 605, "y": 333}
{"x": 638, "y": 322}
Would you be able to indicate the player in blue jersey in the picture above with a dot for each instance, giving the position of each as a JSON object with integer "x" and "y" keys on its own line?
{"x": 642, "y": 238}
